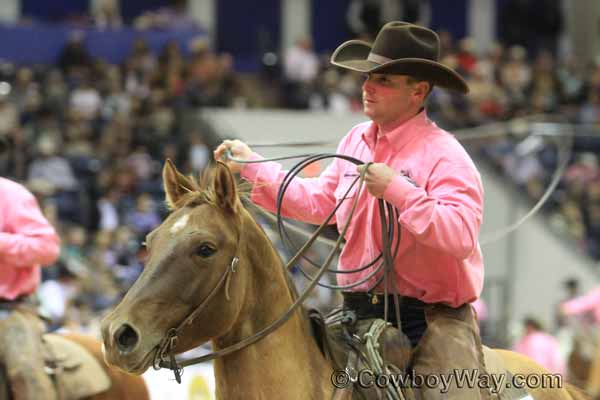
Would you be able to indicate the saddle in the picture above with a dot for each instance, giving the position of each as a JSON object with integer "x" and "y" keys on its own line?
{"x": 370, "y": 344}
{"x": 77, "y": 374}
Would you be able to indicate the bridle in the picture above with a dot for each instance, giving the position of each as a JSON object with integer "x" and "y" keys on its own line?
{"x": 169, "y": 341}
{"x": 164, "y": 356}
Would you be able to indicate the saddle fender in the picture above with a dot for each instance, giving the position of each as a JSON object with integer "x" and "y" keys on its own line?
{"x": 76, "y": 372}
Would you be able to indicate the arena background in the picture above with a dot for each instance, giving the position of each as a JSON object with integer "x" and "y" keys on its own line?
{"x": 95, "y": 94}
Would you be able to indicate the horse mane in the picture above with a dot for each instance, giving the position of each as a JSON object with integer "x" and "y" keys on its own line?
{"x": 253, "y": 210}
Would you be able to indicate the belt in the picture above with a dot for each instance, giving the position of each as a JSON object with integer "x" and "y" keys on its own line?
{"x": 367, "y": 305}
{"x": 8, "y": 301}
{"x": 23, "y": 299}
{"x": 364, "y": 299}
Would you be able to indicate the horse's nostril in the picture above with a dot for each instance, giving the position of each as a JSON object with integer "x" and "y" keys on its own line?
{"x": 126, "y": 338}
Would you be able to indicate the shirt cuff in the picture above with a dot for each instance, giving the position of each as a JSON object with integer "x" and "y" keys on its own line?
{"x": 397, "y": 191}
{"x": 250, "y": 171}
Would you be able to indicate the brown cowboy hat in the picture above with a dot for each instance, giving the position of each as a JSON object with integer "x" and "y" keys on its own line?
{"x": 400, "y": 48}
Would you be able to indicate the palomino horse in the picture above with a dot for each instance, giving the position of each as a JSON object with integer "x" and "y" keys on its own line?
{"x": 123, "y": 386}
{"x": 188, "y": 256}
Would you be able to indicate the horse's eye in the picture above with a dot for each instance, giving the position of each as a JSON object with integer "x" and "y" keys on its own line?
{"x": 205, "y": 250}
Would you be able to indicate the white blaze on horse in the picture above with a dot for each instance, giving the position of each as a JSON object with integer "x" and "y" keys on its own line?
{"x": 186, "y": 274}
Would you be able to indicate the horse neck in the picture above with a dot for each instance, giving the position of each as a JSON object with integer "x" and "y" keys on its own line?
{"x": 288, "y": 359}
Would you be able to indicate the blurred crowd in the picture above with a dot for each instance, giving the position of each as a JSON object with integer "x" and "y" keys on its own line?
{"x": 108, "y": 15}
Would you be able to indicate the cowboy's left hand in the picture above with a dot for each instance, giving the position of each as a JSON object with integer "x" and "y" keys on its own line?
{"x": 377, "y": 178}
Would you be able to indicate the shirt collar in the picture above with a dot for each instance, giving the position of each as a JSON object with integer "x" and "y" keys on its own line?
{"x": 399, "y": 136}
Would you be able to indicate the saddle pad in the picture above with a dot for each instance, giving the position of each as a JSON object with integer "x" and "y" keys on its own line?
{"x": 495, "y": 366}
{"x": 82, "y": 375}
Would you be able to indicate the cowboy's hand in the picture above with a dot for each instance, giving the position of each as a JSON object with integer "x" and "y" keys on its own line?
{"x": 377, "y": 178}
{"x": 237, "y": 149}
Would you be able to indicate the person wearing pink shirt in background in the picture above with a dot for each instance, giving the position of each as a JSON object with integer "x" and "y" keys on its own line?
{"x": 426, "y": 174}
{"x": 541, "y": 347}
{"x": 587, "y": 303}
{"x": 27, "y": 241}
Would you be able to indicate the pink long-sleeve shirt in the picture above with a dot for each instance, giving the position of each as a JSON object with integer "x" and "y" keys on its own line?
{"x": 439, "y": 258}
{"x": 27, "y": 241}
{"x": 589, "y": 302}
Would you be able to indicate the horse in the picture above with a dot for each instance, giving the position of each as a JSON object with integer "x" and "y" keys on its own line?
{"x": 188, "y": 256}
{"x": 123, "y": 386}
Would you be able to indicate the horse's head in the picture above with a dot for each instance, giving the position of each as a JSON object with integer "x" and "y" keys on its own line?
{"x": 188, "y": 256}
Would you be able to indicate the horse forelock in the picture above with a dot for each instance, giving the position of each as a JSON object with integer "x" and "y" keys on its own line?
{"x": 203, "y": 191}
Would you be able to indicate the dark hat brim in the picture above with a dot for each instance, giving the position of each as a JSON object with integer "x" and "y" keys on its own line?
{"x": 353, "y": 55}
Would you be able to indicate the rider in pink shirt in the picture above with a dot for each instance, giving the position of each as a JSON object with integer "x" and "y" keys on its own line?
{"x": 27, "y": 241}
{"x": 426, "y": 174}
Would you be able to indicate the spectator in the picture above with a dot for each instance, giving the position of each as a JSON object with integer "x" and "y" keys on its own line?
{"x": 199, "y": 153}
{"x": 587, "y": 303}
{"x": 73, "y": 254}
{"x": 50, "y": 170}
{"x": 541, "y": 347}
{"x": 174, "y": 16}
{"x": 365, "y": 17}
{"x": 85, "y": 100}
{"x": 301, "y": 66}
{"x": 571, "y": 290}
{"x": 56, "y": 295}
{"x": 74, "y": 58}
{"x": 108, "y": 210}
{"x": 106, "y": 14}
{"x": 9, "y": 114}
{"x": 144, "y": 218}
{"x": 116, "y": 102}
{"x": 515, "y": 76}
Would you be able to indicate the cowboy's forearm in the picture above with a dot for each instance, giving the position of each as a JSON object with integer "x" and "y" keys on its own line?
{"x": 306, "y": 199}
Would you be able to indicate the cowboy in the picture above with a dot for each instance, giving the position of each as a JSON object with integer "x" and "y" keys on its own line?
{"x": 27, "y": 241}
{"x": 426, "y": 174}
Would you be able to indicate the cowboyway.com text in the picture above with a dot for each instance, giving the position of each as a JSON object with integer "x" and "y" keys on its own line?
{"x": 460, "y": 378}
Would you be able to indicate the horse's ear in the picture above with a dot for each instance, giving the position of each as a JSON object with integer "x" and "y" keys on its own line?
{"x": 175, "y": 184}
{"x": 224, "y": 187}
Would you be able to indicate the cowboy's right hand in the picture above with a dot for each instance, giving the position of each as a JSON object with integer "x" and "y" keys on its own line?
{"x": 237, "y": 149}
